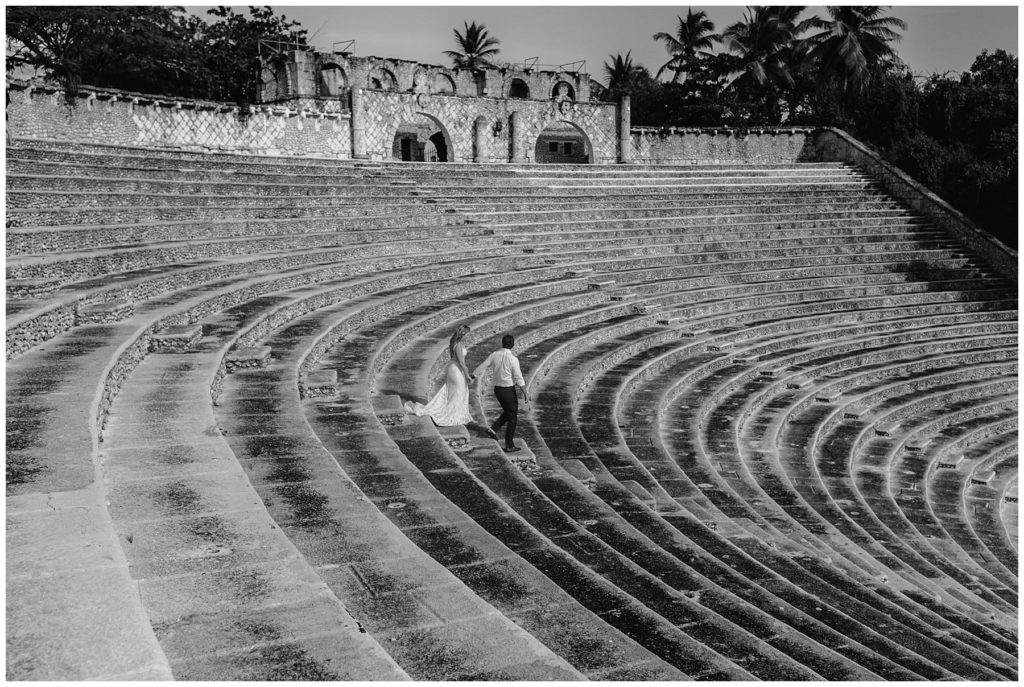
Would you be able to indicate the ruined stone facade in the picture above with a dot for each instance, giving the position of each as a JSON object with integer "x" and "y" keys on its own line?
{"x": 482, "y": 115}
{"x": 309, "y": 76}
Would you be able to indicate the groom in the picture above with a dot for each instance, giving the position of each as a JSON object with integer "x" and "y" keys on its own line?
{"x": 506, "y": 376}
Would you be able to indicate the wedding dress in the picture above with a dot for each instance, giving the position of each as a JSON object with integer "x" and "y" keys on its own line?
{"x": 450, "y": 405}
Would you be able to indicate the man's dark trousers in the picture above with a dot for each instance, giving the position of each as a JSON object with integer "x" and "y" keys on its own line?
{"x": 509, "y": 412}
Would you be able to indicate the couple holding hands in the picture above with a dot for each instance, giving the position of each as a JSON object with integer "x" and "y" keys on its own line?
{"x": 450, "y": 405}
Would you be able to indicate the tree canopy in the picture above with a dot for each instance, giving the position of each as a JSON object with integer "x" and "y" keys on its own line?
{"x": 693, "y": 39}
{"x": 151, "y": 49}
{"x": 957, "y": 134}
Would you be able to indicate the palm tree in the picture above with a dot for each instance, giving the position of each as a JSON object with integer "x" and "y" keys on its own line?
{"x": 476, "y": 48}
{"x": 849, "y": 45}
{"x": 694, "y": 36}
{"x": 623, "y": 76}
{"x": 764, "y": 44}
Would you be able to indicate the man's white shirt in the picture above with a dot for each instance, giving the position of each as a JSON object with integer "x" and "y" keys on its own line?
{"x": 504, "y": 367}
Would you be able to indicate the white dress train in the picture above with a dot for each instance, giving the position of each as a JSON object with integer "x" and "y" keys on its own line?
{"x": 450, "y": 405}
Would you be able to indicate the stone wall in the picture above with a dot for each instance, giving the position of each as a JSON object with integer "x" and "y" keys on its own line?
{"x": 833, "y": 145}
{"x": 673, "y": 146}
{"x": 510, "y": 127}
{"x": 113, "y": 117}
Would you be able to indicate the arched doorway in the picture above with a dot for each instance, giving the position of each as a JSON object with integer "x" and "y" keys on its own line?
{"x": 421, "y": 139}
{"x": 563, "y": 143}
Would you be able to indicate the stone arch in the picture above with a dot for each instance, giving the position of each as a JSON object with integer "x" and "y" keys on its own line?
{"x": 550, "y": 129}
{"x": 381, "y": 79}
{"x": 563, "y": 90}
{"x": 442, "y": 84}
{"x": 518, "y": 89}
{"x": 332, "y": 80}
{"x": 439, "y": 140}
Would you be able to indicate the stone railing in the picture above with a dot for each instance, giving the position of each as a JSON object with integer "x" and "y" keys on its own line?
{"x": 703, "y": 146}
{"x": 114, "y": 117}
{"x": 838, "y": 146}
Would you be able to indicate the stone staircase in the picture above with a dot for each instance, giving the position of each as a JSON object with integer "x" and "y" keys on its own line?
{"x": 773, "y": 433}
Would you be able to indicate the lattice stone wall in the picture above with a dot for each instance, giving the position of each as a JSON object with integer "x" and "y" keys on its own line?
{"x": 117, "y": 118}
{"x": 704, "y": 146}
{"x": 383, "y": 112}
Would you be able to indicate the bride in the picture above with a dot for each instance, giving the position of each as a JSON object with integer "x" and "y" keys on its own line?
{"x": 450, "y": 405}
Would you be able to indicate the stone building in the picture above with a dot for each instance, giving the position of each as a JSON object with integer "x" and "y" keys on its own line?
{"x": 405, "y": 110}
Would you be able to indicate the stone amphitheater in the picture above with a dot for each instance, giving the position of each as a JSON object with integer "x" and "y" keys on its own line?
{"x": 774, "y": 434}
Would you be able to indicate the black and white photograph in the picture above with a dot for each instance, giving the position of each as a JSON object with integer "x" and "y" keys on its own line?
{"x": 519, "y": 343}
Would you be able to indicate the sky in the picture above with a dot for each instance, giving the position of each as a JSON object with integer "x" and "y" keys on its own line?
{"x": 938, "y": 39}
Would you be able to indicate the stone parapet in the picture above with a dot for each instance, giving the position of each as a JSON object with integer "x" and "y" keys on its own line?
{"x": 702, "y": 146}
{"x": 108, "y": 116}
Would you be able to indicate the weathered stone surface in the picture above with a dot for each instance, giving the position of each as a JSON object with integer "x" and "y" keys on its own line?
{"x": 699, "y": 146}
{"x": 389, "y": 409}
{"x": 101, "y": 313}
{"x": 323, "y": 383}
{"x": 247, "y": 357}
{"x": 457, "y": 437}
{"x": 176, "y": 338}
{"x": 130, "y": 119}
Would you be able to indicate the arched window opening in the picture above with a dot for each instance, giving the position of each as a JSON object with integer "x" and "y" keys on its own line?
{"x": 563, "y": 90}
{"x": 443, "y": 84}
{"x": 519, "y": 89}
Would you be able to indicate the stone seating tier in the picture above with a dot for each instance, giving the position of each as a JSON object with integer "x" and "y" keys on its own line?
{"x": 739, "y": 549}
{"x": 378, "y": 338}
{"x": 549, "y": 411}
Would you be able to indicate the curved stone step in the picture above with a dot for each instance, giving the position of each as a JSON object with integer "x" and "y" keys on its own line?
{"x": 228, "y": 595}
